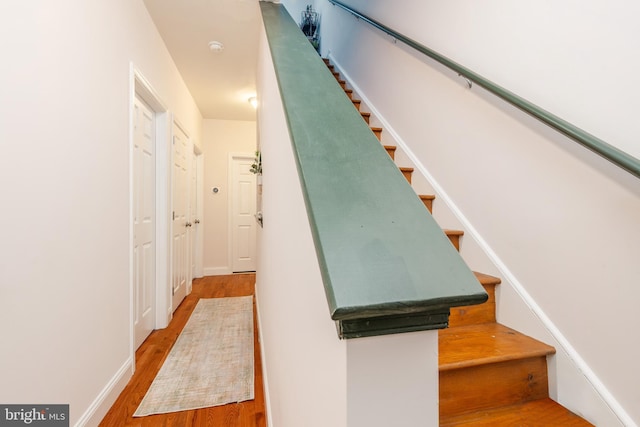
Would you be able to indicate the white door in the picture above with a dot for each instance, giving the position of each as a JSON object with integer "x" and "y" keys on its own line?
{"x": 144, "y": 253}
{"x": 243, "y": 210}
{"x": 180, "y": 242}
{"x": 195, "y": 221}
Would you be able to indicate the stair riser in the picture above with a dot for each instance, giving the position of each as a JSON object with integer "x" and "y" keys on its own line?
{"x": 491, "y": 386}
{"x": 455, "y": 240}
{"x": 407, "y": 174}
{"x": 391, "y": 151}
{"x": 474, "y": 314}
{"x": 486, "y": 394}
{"x": 428, "y": 203}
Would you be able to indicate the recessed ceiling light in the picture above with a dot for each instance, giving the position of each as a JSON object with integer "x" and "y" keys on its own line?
{"x": 216, "y": 46}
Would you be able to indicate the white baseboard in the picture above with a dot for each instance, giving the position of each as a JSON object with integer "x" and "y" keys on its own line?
{"x": 579, "y": 364}
{"x": 101, "y": 405}
{"x": 217, "y": 271}
{"x": 265, "y": 381}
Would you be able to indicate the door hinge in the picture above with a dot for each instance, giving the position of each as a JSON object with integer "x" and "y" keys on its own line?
{"x": 174, "y": 215}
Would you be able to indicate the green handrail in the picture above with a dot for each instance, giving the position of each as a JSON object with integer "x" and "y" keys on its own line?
{"x": 593, "y": 143}
{"x": 386, "y": 265}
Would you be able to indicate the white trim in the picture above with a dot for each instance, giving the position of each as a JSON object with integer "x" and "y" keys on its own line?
{"x": 191, "y": 253}
{"x": 163, "y": 217}
{"x": 265, "y": 380}
{"x": 101, "y": 405}
{"x": 141, "y": 86}
{"x": 571, "y": 352}
{"x": 230, "y": 218}
{"x": 146, "y": 91}
{"x": 132, "y": 97}
{"x": 216, "y": 271}
{"x": 199, "y": 211}
{"x": 182, "y": 128}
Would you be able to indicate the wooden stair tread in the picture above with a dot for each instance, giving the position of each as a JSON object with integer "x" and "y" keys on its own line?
{"x": 407, "y": 172}
{"x": 537, "y": 413}
{"x": 427, "y": 200}
{"x": 454, "y": 237}
{"x": 486, "y": 279}
{"x": 490, "y": 375}
{"x": 477, "y": 314}
{"x": 474, "y": 345}
{"x": 391, "y": 149}
{"x": 378, "y": 133}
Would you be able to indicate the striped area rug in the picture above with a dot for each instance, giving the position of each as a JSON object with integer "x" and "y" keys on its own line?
{"x": 211, "y": 362}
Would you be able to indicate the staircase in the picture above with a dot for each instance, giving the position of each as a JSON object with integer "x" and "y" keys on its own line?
{"x": 490, "y": 375}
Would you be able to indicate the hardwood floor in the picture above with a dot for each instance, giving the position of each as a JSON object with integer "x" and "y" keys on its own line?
{"x": 152, "y": 353}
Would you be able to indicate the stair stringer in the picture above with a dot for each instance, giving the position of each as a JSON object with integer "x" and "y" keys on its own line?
{"x": 572, "y": 383}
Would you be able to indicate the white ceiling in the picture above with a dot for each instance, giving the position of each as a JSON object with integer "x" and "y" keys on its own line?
{"x": 221, "y": 83}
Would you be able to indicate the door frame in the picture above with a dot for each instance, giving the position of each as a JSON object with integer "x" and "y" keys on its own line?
{"x": 140, "y": 85}
{"x": 199, "y": 230}
{"x": 230, "y": 212}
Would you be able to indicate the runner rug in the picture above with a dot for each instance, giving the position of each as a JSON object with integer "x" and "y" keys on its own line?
{"x": 211, "y": 362}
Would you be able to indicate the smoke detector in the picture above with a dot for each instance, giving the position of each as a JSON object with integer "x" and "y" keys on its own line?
{"x": 216, "y": 47}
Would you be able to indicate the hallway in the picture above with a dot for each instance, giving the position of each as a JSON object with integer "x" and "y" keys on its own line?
{"x": 152, "y": 353}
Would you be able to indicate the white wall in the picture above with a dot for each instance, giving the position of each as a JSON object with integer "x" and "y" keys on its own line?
{"x": 64, "y": 271}
{"x": 220, "y": 139}
{"x": 311, "y": 377}
{"x": 392, "y": 380}
{"x": 304, "y": 362}
{"x": 573, "y": 58}
{"x": 559, "y": 224}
